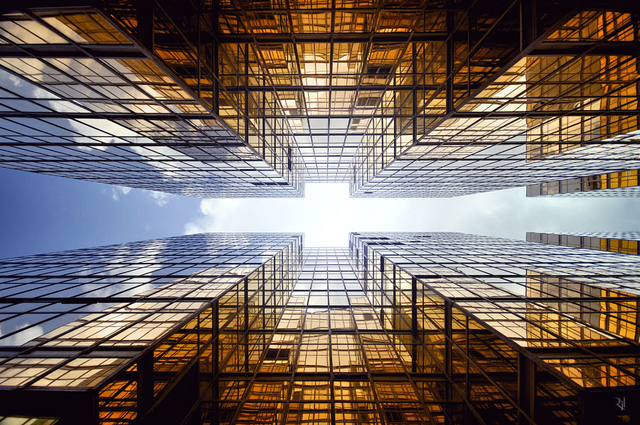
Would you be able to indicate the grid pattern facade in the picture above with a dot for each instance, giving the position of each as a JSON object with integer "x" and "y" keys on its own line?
{"x": 330, "y": 360}
{"x": 518, "y": 332}
{"x": 555, "y": 101}
{"x": 616, "y": 184}
{"x": 407, "y": 328}
{"x": 244, "y": 98}
{"x": 134, "y": 333}
{"x": 91, "y": 94}
{"x": 623, "y": 242}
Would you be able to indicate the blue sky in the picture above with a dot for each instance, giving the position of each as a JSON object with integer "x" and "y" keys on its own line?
{"x": 41, "y": 213}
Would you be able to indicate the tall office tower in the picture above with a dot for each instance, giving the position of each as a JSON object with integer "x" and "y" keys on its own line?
{"x": 518, "y": 332}
{"x": 522, "y": 93}
{"x": 126, "y": 334}
{"x": 426, "y": 328}
{"x": 128, "y": 93}
{"x": 623, "y": 242}
{"x": 244, "y": 98}
{"x": 615, "y": 185}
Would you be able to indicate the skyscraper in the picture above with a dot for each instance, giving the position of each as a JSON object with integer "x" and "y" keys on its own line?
{"x": 616, "y": 184}
{"x": 623, "y": 242}
{"x": 86, "y": 95}
{"x": 129, "y": 331}
{"x": 250, "y": 98}
{"x": 251, "y": 328}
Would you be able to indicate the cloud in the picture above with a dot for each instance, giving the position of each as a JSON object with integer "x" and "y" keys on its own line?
{"x": 116, "y": 191}
{"x": 326, "y": 215}
{"x": 216, "y": 216}
{"x": 161, "y": 198}
{"x": 24, "y": 336}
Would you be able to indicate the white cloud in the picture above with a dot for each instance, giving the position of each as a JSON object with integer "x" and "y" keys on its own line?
{"x": 23, "y": 336}
{"x": 116, "y": 191}
{"x": 326, "y": 215}
{"x": 161, "y": 198}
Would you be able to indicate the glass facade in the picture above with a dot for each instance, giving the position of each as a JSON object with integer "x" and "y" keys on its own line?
{"x": 616, "y": 184}
{"x": 623, "y": 242}
{"x": 406, "y": 328}
{"x": 398, "y": 98}
{"x": 136, "y": 332}
{"x": 519, "y": 332}
{"x": 89, "y": 94}
{"x": 551, "y": 98}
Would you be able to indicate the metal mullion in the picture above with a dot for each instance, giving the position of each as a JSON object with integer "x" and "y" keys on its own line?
{"x": 567, "y": 341}
{"x": 258, "y": 53}
{"x": 574, "y": 60}
{"x": 330, "y": 89}
{"x": 106, "y": 65}
{"x": 136, "y": 115}
{"x": 371, "y": 380}
{"x": 410, "y": 381}
{"x": 604, "y": 96}
{"x": 354, "y": 37}
{"x": 392, "y": 75}
{"x": 91, "y": 348}
{"x": 85, "y": 351}
{"x": 496, "y": 75}
{"x": 536, "y": 360}
{"x": 448, "y": 373}
{"x": 396, "y": 109}
{"x": 352, "y": 9}
{"x": 331, "y": 366}
{"x": 300, "y": 333}
{"x": 433, "y": 61}
{"x": 358, "y": 335}
{"x": 99, "y": 95}
{"x": 252, "y": 380}
{"x": 35, "y": 347}
{"x": 338, "y": 88}
{"x": 542, "y": 304}
{"x": 294, "y": 43}
{"x": 365, "y": 58}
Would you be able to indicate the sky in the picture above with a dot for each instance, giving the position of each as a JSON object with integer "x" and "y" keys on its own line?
{"x": 41, "y": 213}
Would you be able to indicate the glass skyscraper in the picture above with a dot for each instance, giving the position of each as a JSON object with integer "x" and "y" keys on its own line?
{"x": 399, "y": 328}
{"x": 623, "y": 242}
{"x": 617, "y": 184}
{"x": 251, "y": 98}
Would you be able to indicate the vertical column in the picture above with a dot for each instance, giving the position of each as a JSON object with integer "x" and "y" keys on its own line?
{"x": 449, "y": 64}
{"x": 215, "y": 19}
{"x": 145, "y": 15}
{"x": 145, "y": 383}
{"x": 215, "y": 354}
{"x": 246, "y": 93}
{"x": 383, "y": 280}
{"x": 414, "y": 100}
{"x": 200, "y": 48}
{"x": 528, "y": 23}
{"x": 274, "y": 294}
{"x": 245, "y": 298}
{"x": 365, "y": 268}
{"x": 414, "y": 324}
{"x": 526, "y": 389}
{"x": 447, "y": 358}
